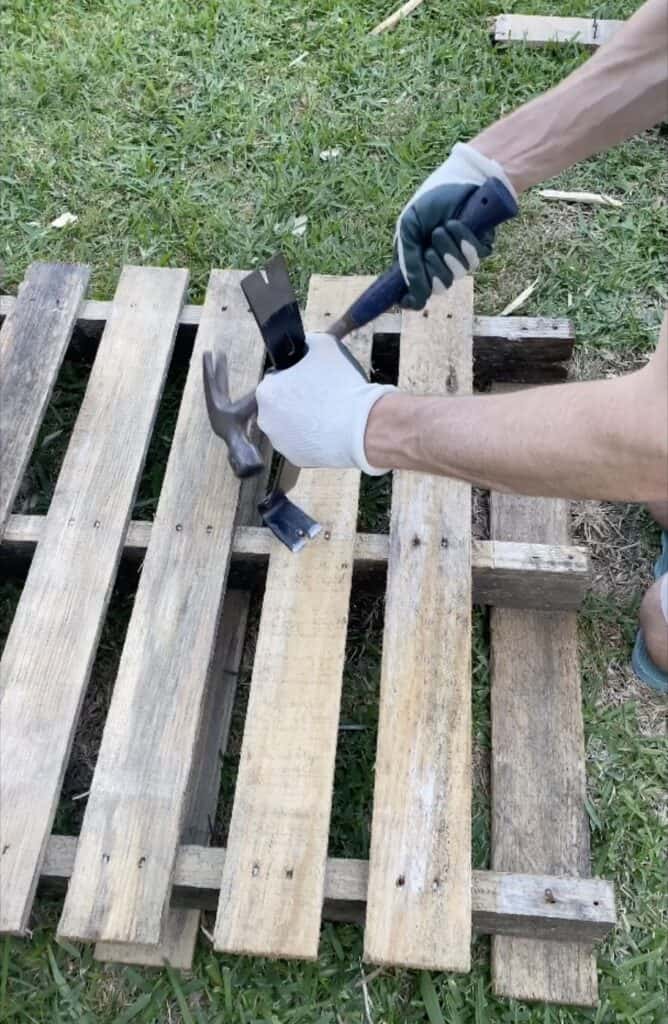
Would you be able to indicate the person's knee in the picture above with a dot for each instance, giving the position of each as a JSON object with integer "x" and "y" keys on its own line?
{"x": 659, "y": 512}
{"x": 654, "y": 622}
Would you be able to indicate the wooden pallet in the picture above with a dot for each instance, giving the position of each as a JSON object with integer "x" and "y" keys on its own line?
{"x": 141, "y": 871}
{"x": 541, "y": 30}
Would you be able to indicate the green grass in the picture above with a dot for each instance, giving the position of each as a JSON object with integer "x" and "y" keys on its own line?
{"x": 179, "y": 134}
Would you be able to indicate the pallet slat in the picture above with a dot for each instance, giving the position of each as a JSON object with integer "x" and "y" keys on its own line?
{"x": 33, "y": 340}
{"x": 419, "y": 902}
{"x": 538, "y": 767}
{"x": 273, "y": 879}
{"x": 508, "y": 574}
{"x": 557, "y": 907}
{"x": 68, "y": 587}
{"x": 179, "y": 939}
{"x": 540, "y": 30}
{"x": 120, "y": 886}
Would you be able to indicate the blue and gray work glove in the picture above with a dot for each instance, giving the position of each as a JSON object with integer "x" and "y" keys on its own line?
{"x": 433, "y": 247}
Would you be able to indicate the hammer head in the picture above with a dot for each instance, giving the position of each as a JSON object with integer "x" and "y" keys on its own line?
{"x": 230, "y": 420}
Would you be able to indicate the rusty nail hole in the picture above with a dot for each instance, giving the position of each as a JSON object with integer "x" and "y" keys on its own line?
{"x": 179, "y": 527}
{"x": 448, "y": 316}
{"x": 256, "y": 870}
{"x": 595, "y": 903}
{"x": 141, "y": 862}
{"x": 223, "y": 309}
{"x": 445, "y": 543}
{"x": 435, "y": 884}
{"x": 209, "y": 529}
{"x": 328, "y": 314}
{"x": 289, "y": 872}
{"x": 549, "y": 896}
{"x": 105, "y": 858}
{"x": 96, "y": 524}
{"x": 425, "y": 313}
{"x": 328, "y": 535}
{"x": 416, "y": 541}
{"x": 401, "y": 881}
{"x": 5, "y": 848}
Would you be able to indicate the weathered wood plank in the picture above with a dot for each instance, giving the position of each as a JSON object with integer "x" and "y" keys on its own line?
{"x": 273, "y": 879}
{"x": 539, "y": 30}
{"x": 507, "y": 574}
{"x": 120, "y": 887}
{"x": 419, "y": 903}
{"x": 72, "y": 573}
{"x": 33, "y": 340}
{"x": 499, "y": 342}
{"x": 538, "y": 770}
{"x": 560, "y": 908}
{"x": 179, "y": 939}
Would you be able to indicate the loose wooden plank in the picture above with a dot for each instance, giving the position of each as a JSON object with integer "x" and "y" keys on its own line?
{"x": 558, "y": 907}
{"x": 119, "y": 891}
{"x": 33, "y": 340}
{"x": 72, "y": 572}
{"x": 539, "y": 30}
{"x": 178, "y": 943}
{"x": 508, "y": 574}
{"x": 419, "y": 904}
{"x": 501, "y": 345}
{"x": 273, "y": 879}
{"x": 538, "y": 774}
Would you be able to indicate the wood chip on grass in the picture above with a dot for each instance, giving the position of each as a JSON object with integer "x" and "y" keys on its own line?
{"x": 520, "y": 300}
{"x": 586, "y": 198}
{"x": 396, "y": 17}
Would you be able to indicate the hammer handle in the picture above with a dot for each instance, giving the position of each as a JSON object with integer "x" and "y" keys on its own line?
{"x": 490, "y": 205}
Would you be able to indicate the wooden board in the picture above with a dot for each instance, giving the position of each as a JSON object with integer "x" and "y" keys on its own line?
{"x": 539, "y": 30}
{"x": 505, "y": 573}
{"x": 72, "y": 573}
{"x": 559, "y": 907}
{"x": 502, "y": 345}
{"x": 181, "y": 929}
{"x": 419, "y": 903}
{"x": 538, "y": 768}
{"x": 273, "y": 879}
{"x": 33, "y": 340}
{"x": 120, "y": 887}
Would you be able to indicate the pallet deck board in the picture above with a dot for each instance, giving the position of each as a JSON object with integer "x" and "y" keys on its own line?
{"x": 419, "y": 902}
{"x": 541, "y": 30}
{"x": 177, "y": 946}
{"x": 119, "y": 890}
{"x": 539, "y": 819}
{"x": 65, "y": 596}
{"x": 272, "y": 886}
{"x": 33, "y": 341}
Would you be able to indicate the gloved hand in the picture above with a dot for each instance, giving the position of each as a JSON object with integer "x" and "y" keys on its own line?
{"x": 432, "y": 246}
{"x": 315, "y": 413}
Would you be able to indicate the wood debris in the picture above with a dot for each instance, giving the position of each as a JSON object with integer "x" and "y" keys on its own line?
{"x": 396, "y": 17}
{"x": 520, "y": 300}
{"x": 588, "y": 198}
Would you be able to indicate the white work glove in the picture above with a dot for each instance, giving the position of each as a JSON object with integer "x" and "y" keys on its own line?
{"x": 432, "y": 246}
{"x": 315, "y": 413}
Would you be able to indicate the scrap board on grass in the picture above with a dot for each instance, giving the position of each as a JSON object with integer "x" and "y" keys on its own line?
{"x": 141, "y": 871}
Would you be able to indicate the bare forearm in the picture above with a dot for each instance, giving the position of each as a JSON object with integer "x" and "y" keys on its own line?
{"x": 597, "y": 439}
{"x": 620, "y": 91}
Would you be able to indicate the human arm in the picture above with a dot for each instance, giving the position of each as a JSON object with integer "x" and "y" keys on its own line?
{"x": 605, "y": 439}
{"x": 621, "y": 90}
{"x": 602, "y": 439}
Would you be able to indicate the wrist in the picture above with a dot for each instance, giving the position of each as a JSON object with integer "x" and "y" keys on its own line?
{"x": 392, "y": 431}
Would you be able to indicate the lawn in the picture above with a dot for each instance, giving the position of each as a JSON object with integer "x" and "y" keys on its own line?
{"x": 192, "y": 134}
